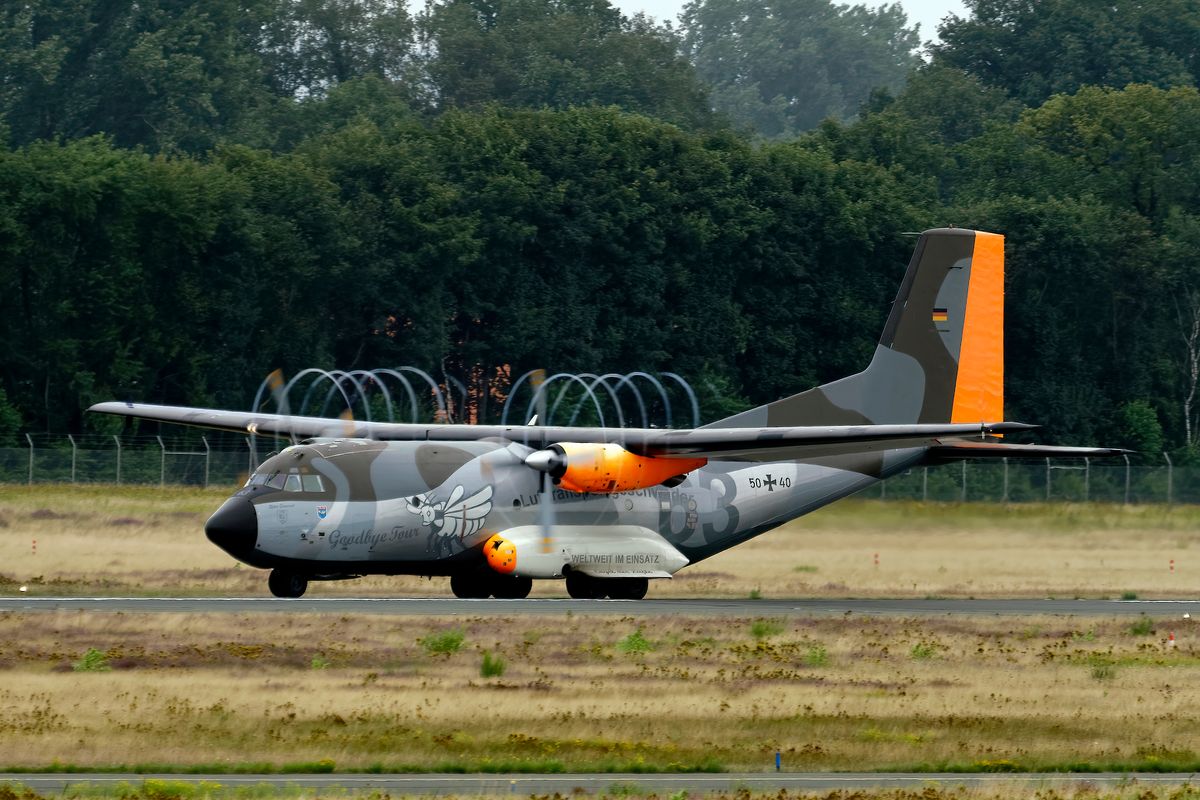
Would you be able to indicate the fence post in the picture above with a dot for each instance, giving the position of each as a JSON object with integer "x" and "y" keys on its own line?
{"x": 117, "y": 439}
{"x": 207, "y": 456}
{"x": 963, "y": 495}
{"x": 925, "y": 485}
{"x": 1047, "y": 480}
{"x": 250, "y": 455}
{"x": 74, "y": 453}
{"x": 162, "y": 462}
{"x": 1087, "y": 479}
{"x": 1170, "y": 478}
{"x": 1005, "y": 460}
{"x": 1126, "y": 480}
{"x": 29, "y": 439}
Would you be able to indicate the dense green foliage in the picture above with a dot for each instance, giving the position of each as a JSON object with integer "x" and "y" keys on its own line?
{"x": 1036, "y": 48}
{"x": 192, "y": 197}
{"x": 780, "y": 68}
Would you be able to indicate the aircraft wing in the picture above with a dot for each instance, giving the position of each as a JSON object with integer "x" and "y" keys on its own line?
{"x": 734, "y": 444}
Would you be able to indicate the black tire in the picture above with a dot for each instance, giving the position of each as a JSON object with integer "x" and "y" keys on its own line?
{"x": 512, "y": 588}
{"x": 584, "y": 587}
{"x": 470, "y": 586}
{"x": 629, "y": 588}
{"x": 286, "y": 584}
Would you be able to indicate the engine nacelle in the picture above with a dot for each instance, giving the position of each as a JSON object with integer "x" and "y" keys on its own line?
{"x": 607, "y": 468}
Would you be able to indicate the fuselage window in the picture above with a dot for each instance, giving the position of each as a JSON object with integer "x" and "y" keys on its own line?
{"x": 312, "y": 483}
{"x": 276, "y": 480}
{"x": 293, "y": 483}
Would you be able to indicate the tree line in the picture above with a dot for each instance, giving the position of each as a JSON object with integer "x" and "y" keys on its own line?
{"x": 195, "y": 194}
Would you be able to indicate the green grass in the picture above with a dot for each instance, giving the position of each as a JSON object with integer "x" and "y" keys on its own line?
{"x": 1142, "y": 627}
{"x": 852, "y": 513}
{"x": 492, "y": 666}
{"x": 92, "y": 661}
{"x": 765, "y": 628}
{"x": 445, "y": 643}
{"x": 635, "y": 642}
{"x": 1058, "y": 517}
{"x": 182, "y": 498}
{"x": 923, "y": 651}
{"x": 816, "y": 656}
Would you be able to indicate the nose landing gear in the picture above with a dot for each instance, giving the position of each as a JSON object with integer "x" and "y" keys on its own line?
{"x": 286, "y": 584}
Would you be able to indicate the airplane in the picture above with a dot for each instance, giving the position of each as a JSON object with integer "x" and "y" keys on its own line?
{"x": 496, "y": 507}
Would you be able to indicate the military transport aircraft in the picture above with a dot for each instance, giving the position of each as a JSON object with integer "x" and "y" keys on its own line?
{"x": 495, "y": 507}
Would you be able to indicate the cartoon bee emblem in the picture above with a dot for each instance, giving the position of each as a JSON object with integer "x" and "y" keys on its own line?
{"x": 454, "y": 519}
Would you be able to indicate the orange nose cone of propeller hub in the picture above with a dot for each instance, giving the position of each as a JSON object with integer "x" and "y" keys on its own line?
{"x": 501, "y": 554}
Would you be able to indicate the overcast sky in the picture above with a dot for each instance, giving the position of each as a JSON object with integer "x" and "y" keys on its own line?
{"x": 926, "y": 12}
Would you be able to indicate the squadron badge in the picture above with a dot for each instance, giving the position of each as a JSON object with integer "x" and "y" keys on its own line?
{"x": 454, "y": 519}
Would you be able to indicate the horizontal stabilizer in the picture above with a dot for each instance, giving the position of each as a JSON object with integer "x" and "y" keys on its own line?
{"x": 970, "y": 451}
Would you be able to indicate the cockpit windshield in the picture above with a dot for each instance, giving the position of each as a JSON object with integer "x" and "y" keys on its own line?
{"x": 299, "y": 479}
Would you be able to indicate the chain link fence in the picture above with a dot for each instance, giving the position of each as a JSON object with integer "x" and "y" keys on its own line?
{"x": 209, "y": 460}
{"x": 226, "y": 460}
{"x": 1045, "y": 481}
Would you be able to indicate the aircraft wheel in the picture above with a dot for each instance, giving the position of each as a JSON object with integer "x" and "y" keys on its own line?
{"x": 512, "y": 588}
{"x": 584, "y": 587}
{"x": 470, "y": 587}
{"x": 629, "y": 588}
{"x": 286, "y": 584}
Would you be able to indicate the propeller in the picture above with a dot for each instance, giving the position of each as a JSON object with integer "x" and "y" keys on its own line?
{"x": 275, "y": 383}
{"x": 546, "y": 506}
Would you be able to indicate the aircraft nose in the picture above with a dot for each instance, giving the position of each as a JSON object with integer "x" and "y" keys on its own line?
{"x": 234, "y": 527}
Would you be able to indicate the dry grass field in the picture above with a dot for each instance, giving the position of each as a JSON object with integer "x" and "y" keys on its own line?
{"x": 147, "y": 540}
{"x": 322, "y": 692}
{"x": 182, "y": 790}
{"x": 179, "y": 790}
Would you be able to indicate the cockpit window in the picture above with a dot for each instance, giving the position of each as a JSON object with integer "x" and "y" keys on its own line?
{"x": 290, "y": 471}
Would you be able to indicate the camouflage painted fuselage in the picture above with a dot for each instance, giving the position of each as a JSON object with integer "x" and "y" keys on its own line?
{"x": 425, "y": 509}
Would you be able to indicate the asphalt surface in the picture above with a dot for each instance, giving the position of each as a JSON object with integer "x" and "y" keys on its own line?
{"x": 629, "y": 784}
{"x": 631, "y": 608}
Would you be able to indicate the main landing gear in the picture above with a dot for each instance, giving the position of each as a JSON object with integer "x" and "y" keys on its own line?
{"x": 585, "y": 587}
{"x": 286, "y": 584}
{"x": 481, "y": 585}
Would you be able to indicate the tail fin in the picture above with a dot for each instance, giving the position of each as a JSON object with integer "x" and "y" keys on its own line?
{"x": 941, "y": 356}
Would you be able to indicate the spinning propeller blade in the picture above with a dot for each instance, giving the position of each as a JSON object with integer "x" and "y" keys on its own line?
{"x": 546, "y": 506}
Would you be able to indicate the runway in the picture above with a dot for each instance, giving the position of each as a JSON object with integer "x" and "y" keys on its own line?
{"x": 627, "y": 608}
{"x": 624, "y": 783}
